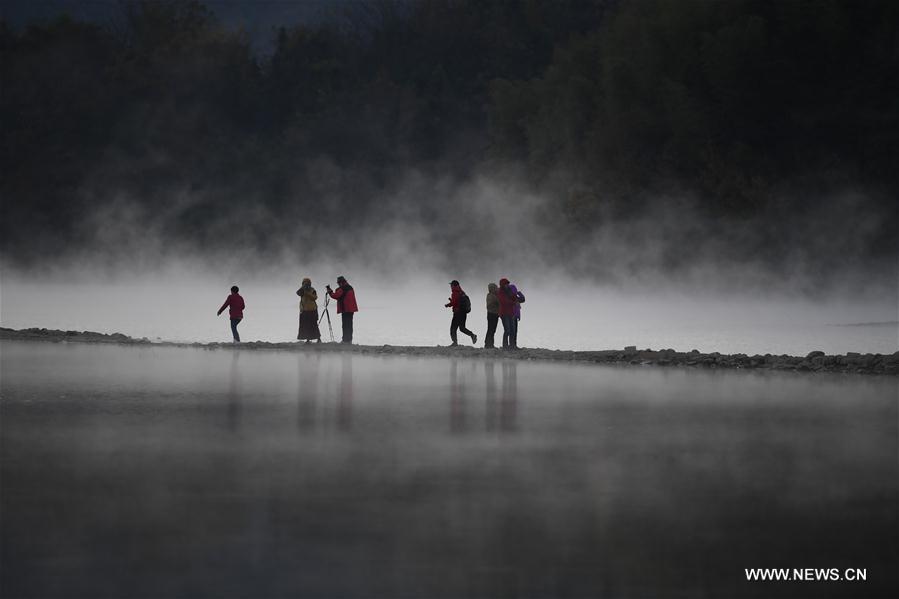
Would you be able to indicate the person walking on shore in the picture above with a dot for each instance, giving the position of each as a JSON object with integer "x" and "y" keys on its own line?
{"x": 236, "y": 306}
{"x": 346, "y": 306}
{"x": 507, "y": 301}
{"x": 492, "y": 315}
{"x": 308, "y": 312}
{"x": 461, "y": 305}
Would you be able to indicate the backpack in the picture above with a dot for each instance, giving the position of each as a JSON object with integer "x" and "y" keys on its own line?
{"x": 464, "y": 304}
{"x": 520, "y": 298}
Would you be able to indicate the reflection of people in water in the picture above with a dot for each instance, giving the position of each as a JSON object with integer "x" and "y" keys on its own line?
{"x": 490, "y": 411}
{"x": 345, "y": 399}
{"x": 508, "y": 403}
{"x": 234, "y": 394}
{"x": 457, "y": 399}
{"x": 506, "y": 407}
{"x": 307, "y": 390}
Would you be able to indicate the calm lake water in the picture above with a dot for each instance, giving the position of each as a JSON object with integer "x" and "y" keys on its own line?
{"x": 173, "y": 472}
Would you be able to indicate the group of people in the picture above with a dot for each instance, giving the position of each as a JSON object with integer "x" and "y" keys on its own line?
{"x": 344, "y": 295}
{"x": 503, "y": 305}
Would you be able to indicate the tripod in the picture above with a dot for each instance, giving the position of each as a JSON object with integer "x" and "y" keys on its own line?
{"x": 328, "y": 314}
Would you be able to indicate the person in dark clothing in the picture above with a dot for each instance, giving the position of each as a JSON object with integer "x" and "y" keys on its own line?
{"x": 507, "y": 301}
{"x": 236, "y": 306}
{"x": 346, "y": 306}
{"x": 492, "y": 315}
{"x": 461, "y": 306}
{"x": 308, "y": 312}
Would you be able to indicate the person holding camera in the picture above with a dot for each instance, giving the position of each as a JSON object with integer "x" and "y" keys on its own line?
{"x": 461, "y": 305}
{"x": 345, "y": 296}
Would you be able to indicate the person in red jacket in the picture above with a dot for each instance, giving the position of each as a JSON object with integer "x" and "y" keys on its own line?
{"x": 507, "y": 303}
{"x": 236, "y": 306}
{"x": 461, "y": 307}
{"x": 346, "y": 306}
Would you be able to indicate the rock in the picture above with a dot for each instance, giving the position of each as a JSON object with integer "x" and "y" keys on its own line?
{"x": 815, "y": 361}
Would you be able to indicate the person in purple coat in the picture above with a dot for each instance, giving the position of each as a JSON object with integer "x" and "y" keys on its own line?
{"x": 519, "y": 296}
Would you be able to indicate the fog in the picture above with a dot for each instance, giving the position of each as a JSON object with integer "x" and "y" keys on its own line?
{"x": 714, "y": 176}
{"x": 557, "y": 314}
{"x": 670, "y": 276}
{"x": 638, "y": 196}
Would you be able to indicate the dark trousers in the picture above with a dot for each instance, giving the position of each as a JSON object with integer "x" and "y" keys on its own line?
{"x": 234, "y": 323}
{"x": 459, "y": 319}
{"x": 347, "y": 318}
{"x": 492, "y": 320}
{"x": 510, "y": 331}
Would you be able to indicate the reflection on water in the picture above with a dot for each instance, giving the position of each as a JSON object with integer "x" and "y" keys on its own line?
{"x": 502, "y": 409}
{"x": 122, "y": 476}
{"x": 234, "y": 393}
{"x": 345, "y": 401}
{"x": 499, "y": 408}
{"x": 307, "y": 390}
{"x": 324, "y": 393}
{"x": 457, "y": 398}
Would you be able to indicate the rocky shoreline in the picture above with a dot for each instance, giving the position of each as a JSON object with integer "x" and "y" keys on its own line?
{"x": 816, "y": 361}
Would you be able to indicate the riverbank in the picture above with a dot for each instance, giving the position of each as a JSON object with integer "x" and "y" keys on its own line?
{"x": 855, "y": 363}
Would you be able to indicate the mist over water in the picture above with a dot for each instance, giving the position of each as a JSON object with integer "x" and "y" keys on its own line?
{"x": 735, "y": 195}
{"x": 557, "y": 314}
{"x": 715, "y": 176}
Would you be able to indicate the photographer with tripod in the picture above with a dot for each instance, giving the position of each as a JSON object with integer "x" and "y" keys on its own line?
{"x": 346, "y": 306}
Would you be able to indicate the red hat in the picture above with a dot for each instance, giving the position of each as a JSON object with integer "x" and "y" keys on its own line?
{"x": 504, "y": 281}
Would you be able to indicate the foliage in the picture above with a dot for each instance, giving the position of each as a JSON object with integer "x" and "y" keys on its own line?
{"x": 605, "y": 102}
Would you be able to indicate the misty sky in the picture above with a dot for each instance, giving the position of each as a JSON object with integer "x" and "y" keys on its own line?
{"x": 555, "y": 141}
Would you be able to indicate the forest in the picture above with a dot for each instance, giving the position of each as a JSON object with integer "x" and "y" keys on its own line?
{"x": 745, "y": 131}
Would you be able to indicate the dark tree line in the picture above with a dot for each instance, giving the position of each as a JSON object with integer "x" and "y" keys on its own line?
{"x": 755, "y": 109}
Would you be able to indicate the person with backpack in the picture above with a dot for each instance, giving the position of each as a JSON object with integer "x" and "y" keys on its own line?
{"x": 508, "y": 300}
{"x": 236, "y": 306}
{"x": 308, "y": 312}
{"x": 492, "y": 315}
{"x": 461, "y": 305}
{"x": 346, "y": 306}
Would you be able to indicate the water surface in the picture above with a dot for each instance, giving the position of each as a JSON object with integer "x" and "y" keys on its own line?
{"x": 173, "y": 472}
